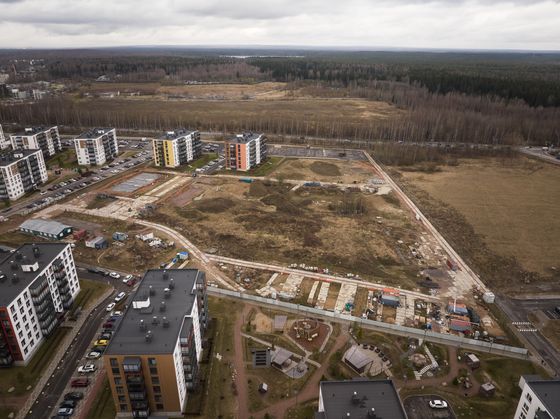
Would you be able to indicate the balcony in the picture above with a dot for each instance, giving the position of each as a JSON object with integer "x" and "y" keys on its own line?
{"x": 137, "y": 396}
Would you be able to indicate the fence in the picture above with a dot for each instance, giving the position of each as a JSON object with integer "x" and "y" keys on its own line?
{"x": 445, "y": 339}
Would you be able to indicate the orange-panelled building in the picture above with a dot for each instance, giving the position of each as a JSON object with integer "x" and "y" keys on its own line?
{"x": 245, "y": 151}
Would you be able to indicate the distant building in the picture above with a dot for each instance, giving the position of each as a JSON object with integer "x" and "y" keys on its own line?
{"x": 4, "y": 143}
{"x": 45, "y": 139}
{"x": 38, "y": 282}
{"x": 245, "y": 151}
{"x": 177, "y": 148}
{"x": 21, "y": 171}
{"x": 359, "y": 399}
{"x": 154, "y": 355}
{"x": 539, "y": 399}
{"x": 96, "y": 146}
{"x": 48, "y": 229}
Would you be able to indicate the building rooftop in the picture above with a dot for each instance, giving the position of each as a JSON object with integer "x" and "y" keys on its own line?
{"x": 138, "y": 322}
{"x": 357, "y": 357}
{"x": 244, "y": 138}
{"x": 31, "y": 131}
{"x": 93, "y": 133}
{"x": 357, "y": 398}
{"x": 178, "y": 133}
{"x": 547, "y": 391}
{"x": 45, "y": 226}
{"x": 13, "y": 156}
{"x": 10, "y": 264}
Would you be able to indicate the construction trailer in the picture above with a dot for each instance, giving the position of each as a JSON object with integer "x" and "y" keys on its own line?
{"x": 97, "y": 243}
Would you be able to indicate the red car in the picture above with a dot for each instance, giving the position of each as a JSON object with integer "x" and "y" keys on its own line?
{"x": 80, "y": 382}
{"x": 131, "y": 282}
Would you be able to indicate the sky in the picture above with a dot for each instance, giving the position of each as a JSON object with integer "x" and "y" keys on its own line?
{"x": 457, "y": 24}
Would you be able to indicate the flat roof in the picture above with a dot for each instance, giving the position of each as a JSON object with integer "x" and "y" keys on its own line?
{"x": 244, "y": 138}
{"x": 339, "y": 399}
{"x": 45, "y": 226}
{"x": 177, "y": 133}
{"x": 32, "y": 131}
{"x": 547, "y": 391}
{"x": 93, "y": 133}
{"x": 13, "y": 156}
{"x": 24, "y": 255}
{"x": 357, "y": 357}
{"x": 130, "y": 339}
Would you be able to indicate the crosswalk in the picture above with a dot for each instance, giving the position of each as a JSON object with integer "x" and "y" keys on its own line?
{"x": 525, "y": 326}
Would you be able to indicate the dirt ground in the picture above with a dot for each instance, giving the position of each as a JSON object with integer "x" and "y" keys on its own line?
{"x": 512, "y": 203}
{"x": 262, "y": 323}
{"x": 336, "y": 171}
{"x": 268, "y": 223}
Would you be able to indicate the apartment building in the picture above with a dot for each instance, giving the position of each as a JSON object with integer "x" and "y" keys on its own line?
{"x": 176, "y": 148}
{"x": 153, "y": 359}
{"x": 245, "y": 151}
{"x": 539, "y": 398}
{"x": 38, "y": 138}
{"x": 359, "y": 399}
{"x": 96, "y": 146}
{"x": 21, "y": 171}
{"x": 38, "y": 283}
{"x": 4, "y": 143}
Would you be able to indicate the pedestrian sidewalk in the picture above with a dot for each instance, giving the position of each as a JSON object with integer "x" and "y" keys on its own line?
{"x": 38, "y": 389}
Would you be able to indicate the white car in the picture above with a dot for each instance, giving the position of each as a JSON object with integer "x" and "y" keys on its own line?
{"x": 117, "y": 313}
{"x": 438, "y": 404}
{"x": 86, "y": 369}
{"x": 110, "y": 307}
{"x": 93, "y": 355}
{"x": 120, "y": 296}
{"x": 127, "y": 278}
{"x": 114, "y": 275}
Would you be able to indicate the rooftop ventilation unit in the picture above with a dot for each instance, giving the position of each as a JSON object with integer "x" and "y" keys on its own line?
{"x": 162, "y": 306}
{"x": 371, "y": 413}
{"x": 167, "y": 293}
{"x": 19, "y": 256}
{"x": 165, "y": 276}
{"x": 13, "y": 265}
{"x": 142, "y": 325}
{"x": 155, "y": 320}
{"x": 165, "y": 322}
{"x": 15, "y": 278}
{"x": 149, "y": 336}
{"x": 152, "y": 291}
{"x": 355, "y": 398}
{"x": 171, "y": 283}
{"x": 28, "y": 129}
{"x": 36, "y": 251}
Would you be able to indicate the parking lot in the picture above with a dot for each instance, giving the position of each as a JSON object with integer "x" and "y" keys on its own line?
{"x": 418, "y": 407}
{"x": 316, "y": 153}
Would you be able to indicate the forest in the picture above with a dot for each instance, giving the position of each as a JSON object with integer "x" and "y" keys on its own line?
{"x": 492, "y": 98}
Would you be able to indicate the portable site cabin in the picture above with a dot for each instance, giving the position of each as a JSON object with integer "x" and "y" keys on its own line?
{"x": 97, "y": 243}
{"x": 118, "y": 236}
{"x": 473, "y": 361}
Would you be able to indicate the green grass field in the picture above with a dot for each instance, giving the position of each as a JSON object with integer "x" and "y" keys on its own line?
{"x": 103, "y": 406}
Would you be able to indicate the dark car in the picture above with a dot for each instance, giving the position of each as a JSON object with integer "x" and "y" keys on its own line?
{"x": 108, "y": 325}
{"x": 105, "y": 335}
{"x": 69, "y": 403}
{"x": 74, "y": 395}
{"x": 98, "y": 349}
{"x": 79, "y": 382}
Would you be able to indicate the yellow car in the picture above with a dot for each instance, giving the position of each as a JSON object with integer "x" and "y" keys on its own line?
{"x": 101, "y": 342}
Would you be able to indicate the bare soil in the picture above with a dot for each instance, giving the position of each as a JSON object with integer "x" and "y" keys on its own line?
{"x": 335, "y": 171}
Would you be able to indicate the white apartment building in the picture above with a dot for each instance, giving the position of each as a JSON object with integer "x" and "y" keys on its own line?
{"x": 176, "y": 148}
{"x": 96, "y": 146}
{"x": 45, "y": 139}
{"x": 4, "y": 143}
{"x": 540, "y": 399}
{"x": 38, "y": 282}
{"x": 21, "y": 171}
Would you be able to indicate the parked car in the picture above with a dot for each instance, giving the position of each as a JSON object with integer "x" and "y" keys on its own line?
{"x": 110, "y": 307}
{"x": 65, "y": 411}
{"x": 74, "y": 395}
{"x": 117, "y": 313}
{"x": 438, "y": 404}
{"x": 88, "y": 368}
{"x": 79, "y": 382}
{"x": 120, "y": 296}
{"x": 98, "y": 349}
{"x": 114, "y": 275}
{"x": 101, "y": 342}
{"x": 93, "y": 355}
{"x": 128, "y": 277}
{"x": 69, "y": 403}
{"x": 107, "y": 325}
{"x": 106, "y": 335}
{"x": 131, "y": 282}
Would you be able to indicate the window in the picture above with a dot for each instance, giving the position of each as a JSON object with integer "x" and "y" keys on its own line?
{"x": 158, "y": 398}
{"x": 120, "y": 390}
{"x": 123, "y": 407}
{"x": 525, "y": 407}
{"x": 155, "y": 380}
{"x": 153, "y": 371}
{"x": 157, "y": 389}
{"x": 115, "y": 371}
{"x": 117, "y": 380}
{"x": 122, "y": 399}
{"x": 114, "y": 362}
{"x": 529, "y": 398}
{"x": 152, "y": 361}
{"x": 159, "y": 406}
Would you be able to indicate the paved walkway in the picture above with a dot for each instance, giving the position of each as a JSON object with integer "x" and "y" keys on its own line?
{"x": 240, "y": 365}
{"x": 59, "y": 354}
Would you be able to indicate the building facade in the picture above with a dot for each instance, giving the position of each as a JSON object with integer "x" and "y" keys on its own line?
{"x": 21, "y": 171}
{"x": 539, "y": 399}
{"x": 176, "y": 148}
{"x": 4, "y": 143}
{"x": 38, "y": 138}
{"x": 47, "y": 229}
{"x": 38, "y": 283}
{"x": 153, "y": 359}
{"x": 245, "y": 151}
{"x": 96, "y": 146}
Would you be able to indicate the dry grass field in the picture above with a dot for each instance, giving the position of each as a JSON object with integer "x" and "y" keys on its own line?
{"x": 336, "y": 171}
{"x": 267, "y": 222}
{"x": 513, "y": 204}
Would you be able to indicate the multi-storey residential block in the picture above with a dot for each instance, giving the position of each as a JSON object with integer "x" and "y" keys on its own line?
{"x": 245, "y": 151}
{"x": 21, "y": 171}
{"x": 38, "y": 282}
{"x": 45, "y": 139}
{"x": 153, "y": 358}
{"x": 176, "y": 148}
{"x": 96, "y": 146}
{"x": 4, "y": 143}
{"x": 539, "y": 398}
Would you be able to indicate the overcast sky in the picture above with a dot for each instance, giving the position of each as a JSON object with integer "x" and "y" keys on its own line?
{"x": 479, "y": 24}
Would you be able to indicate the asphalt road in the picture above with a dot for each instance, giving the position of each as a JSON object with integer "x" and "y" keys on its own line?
{"x": 417, "y": 407}
{"x": 518, "y": 311}
{"x": 539, "y": 153}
